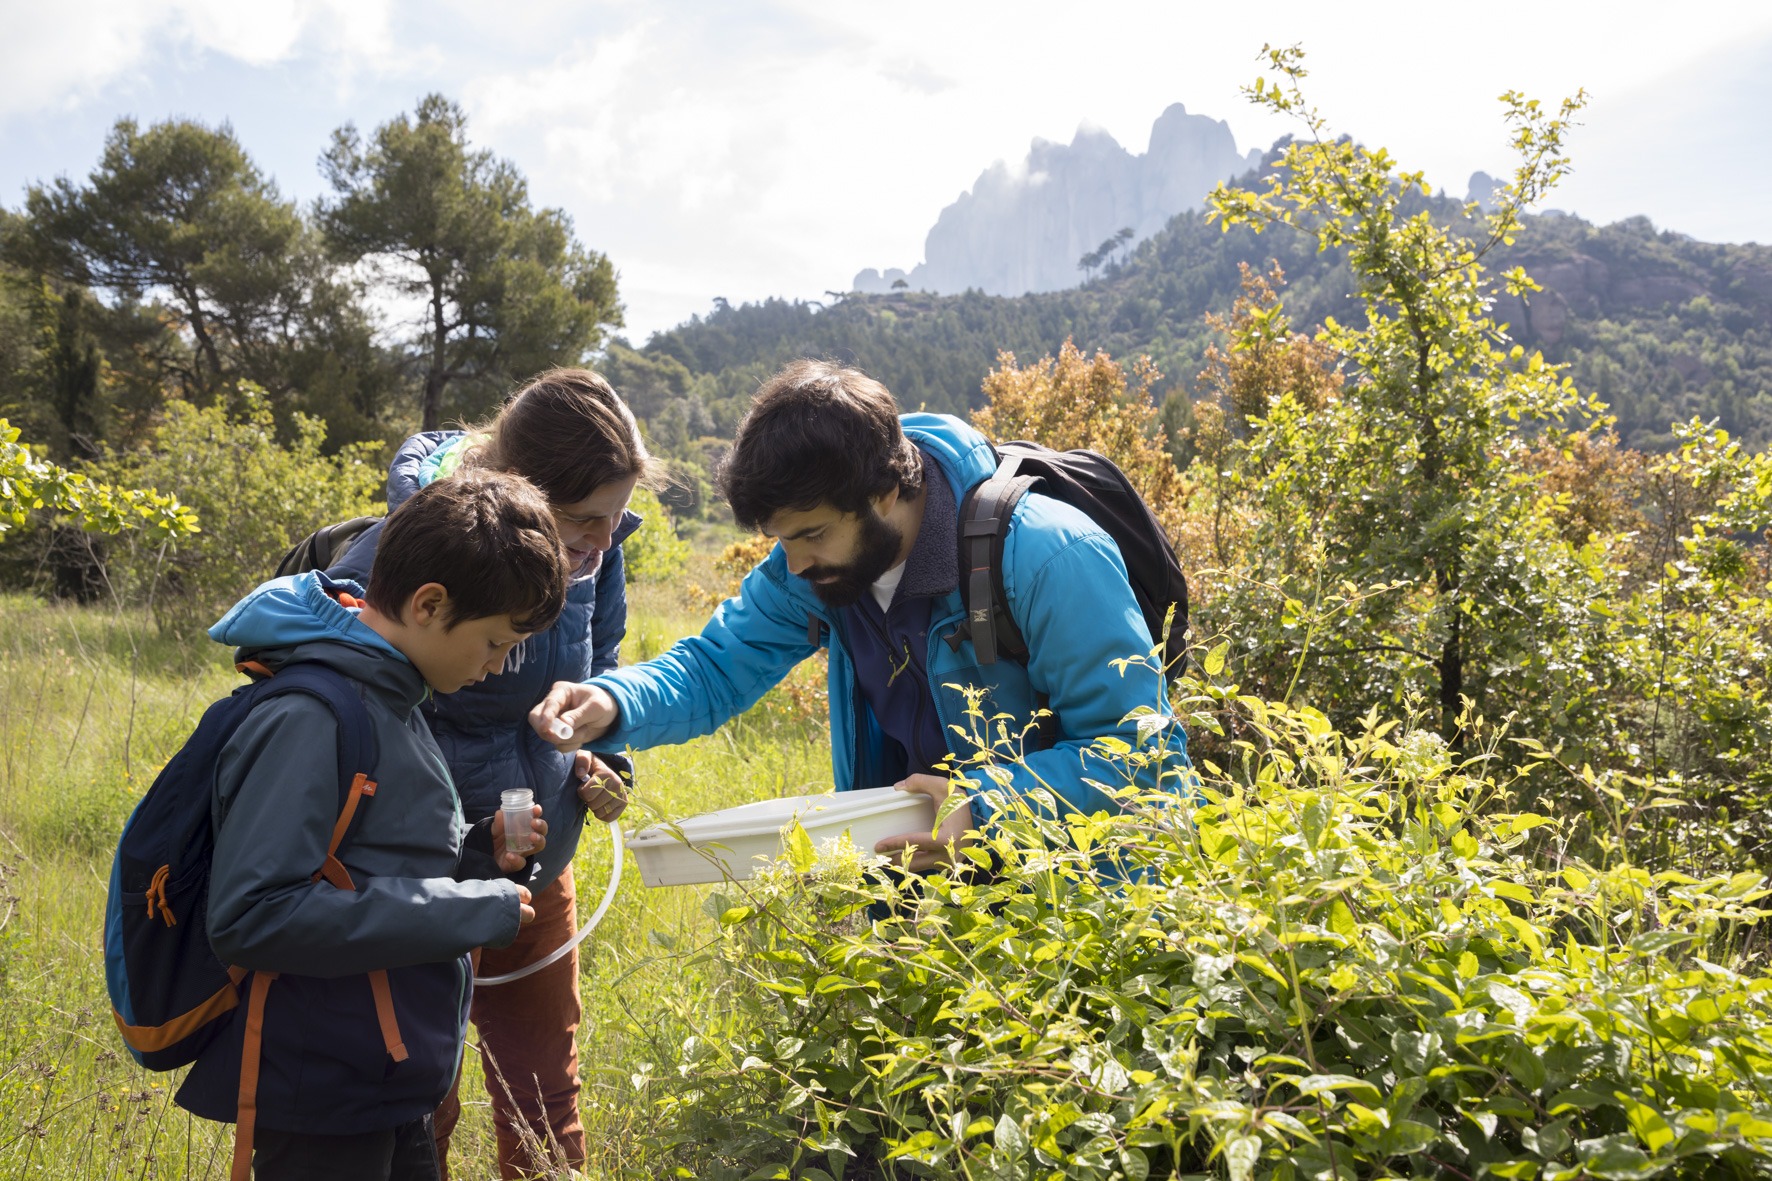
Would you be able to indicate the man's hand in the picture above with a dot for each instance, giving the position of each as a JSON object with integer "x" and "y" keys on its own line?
{"x": 915, "y": 850}
{"x": 525, "y": 912}
{"x": 511, "y": 862}
{"x": 600, "y": 789}
{"x": 573, "y": 714}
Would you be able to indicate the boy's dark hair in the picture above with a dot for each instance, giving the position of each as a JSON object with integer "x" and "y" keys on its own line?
{"x": 817, "y": 432}
{"x": 568, "y": 433}
{"x": 488, "y": 538}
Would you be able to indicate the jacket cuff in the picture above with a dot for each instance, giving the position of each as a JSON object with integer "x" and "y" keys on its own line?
{"x": 513, "y": 913}
{"x": 614, "y": 739}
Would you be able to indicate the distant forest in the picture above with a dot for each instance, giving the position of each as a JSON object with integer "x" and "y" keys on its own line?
{"x": 177, "y": 272}
{"x": 1661, "y": 326}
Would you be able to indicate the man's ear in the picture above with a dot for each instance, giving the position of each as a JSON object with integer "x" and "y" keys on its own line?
{"x": 429, "y": 605}
{"x": 885, "y": 504}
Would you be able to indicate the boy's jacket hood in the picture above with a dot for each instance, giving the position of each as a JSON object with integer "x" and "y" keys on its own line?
{"x": 299, "y": 618}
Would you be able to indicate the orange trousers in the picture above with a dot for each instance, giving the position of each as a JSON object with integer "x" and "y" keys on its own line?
{"x": 529, "y": 1046}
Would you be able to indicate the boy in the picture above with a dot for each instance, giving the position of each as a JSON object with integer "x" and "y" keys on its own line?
{"x": 346, "y": 1078}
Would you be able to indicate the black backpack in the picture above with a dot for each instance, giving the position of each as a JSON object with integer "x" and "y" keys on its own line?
{"x": 1087, "y": 481}
{"x": 324, "y": 546}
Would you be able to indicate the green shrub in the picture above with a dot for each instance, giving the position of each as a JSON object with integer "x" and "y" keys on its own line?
{"x": 253, "y": 498}
{"x": 1348, "y": 959}
{"x": 653, "y": 552}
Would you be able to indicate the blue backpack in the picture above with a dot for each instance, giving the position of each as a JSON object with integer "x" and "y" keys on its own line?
{"x": 170, "y": 995}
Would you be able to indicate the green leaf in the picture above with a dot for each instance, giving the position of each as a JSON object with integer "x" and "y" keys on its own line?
{"x": 1240, "y": 1155}
{"x": 1214, "y": 662}
{"x": 1646, "y": 1122}
{"x": 920, "y": 1142}
{"x": 1415, "y": 1051}
{"x": 956, "y": 799}
{"x": 1316, "y": 1084}
{"x": 801, "y": 855}
{"x": 1616, "y": 1158}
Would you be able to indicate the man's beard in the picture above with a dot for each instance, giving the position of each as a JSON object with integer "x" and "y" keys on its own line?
{"x": 876, "y": 552}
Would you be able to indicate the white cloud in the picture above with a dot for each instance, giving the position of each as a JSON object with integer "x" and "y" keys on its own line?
{"x": 56, "y": 55}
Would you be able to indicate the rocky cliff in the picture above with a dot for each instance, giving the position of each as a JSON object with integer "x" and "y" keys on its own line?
{"x": 1024, "y": 229}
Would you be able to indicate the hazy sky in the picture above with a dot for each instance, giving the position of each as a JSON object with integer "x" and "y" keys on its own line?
{"x": 746, "y": 149}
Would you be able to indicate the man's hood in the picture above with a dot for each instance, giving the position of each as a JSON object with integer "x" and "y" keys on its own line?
{"x": 964, "y": 454}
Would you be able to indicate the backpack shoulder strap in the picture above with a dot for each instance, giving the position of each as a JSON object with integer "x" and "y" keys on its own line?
{"x": 985, "y": 513}
{"x": 357, "y": 748}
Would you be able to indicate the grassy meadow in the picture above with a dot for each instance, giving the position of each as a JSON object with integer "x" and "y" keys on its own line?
{"x": 93, "y": 702}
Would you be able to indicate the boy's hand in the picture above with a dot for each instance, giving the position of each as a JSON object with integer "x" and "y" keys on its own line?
{"x": 511, "y": 862}
{"x": 573, "y": 714}
{"x": 525, "y": 912}
{"x": 915, "y": 850}
{"x": 600, "y": 789}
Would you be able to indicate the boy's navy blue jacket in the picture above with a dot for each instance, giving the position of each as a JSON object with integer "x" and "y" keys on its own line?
{"x": 1067, "y": 589}
{"x": 324, "y": 1067}
{"x": 484, "y": 729}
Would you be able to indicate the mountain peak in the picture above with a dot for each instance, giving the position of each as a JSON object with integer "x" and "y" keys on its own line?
{"x": 1023, "y": 226}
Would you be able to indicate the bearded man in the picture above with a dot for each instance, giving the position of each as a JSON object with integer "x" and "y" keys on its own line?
{"x": 864, "y": 507}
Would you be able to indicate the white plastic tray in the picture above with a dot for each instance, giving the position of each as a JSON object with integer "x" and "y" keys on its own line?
{"x": 732, "y": 842}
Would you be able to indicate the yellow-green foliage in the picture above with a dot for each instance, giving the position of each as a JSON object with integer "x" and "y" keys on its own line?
{"x": 253, "y": 497}
{"x": 653, "y": 552}
{"x": 29, "y": 483}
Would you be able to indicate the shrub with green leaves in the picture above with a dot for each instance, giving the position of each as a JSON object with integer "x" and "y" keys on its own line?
{"x": 254, "y": 497}
{"x": 29, "y": 483}
{"x": 653, "y": 552}
{"x": 1347, "y": 958}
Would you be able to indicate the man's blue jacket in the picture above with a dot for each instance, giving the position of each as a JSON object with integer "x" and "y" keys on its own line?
{"x": 1067, "y": 590}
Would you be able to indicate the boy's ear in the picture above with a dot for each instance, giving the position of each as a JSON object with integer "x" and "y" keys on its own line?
{"x": 429, "y": 605}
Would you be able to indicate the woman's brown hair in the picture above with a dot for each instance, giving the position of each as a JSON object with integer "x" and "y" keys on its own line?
{"x": 568, "y": 433}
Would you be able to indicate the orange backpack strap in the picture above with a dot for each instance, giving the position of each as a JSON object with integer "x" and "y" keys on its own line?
{"x": 384, "y": 1014}
{"x": 246, "y": 1119}
{"x": 332, "y": 869}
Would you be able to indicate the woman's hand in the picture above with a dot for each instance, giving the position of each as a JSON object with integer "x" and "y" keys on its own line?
{"x": 600, "y": 789}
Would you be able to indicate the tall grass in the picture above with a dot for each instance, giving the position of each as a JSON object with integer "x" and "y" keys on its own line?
{"x": 92, "y": 703}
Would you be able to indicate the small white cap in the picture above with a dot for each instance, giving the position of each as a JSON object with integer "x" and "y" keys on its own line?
{"x": 559, "y": 729}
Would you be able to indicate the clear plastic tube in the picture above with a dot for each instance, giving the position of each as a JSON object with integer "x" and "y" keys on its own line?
{"x": 615, "y": 844}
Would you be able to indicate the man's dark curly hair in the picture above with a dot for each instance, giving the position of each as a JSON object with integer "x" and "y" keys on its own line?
{"x": 817, "y": 432}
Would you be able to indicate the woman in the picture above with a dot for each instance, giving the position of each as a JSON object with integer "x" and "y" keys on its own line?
{"x": 569, "y": 434}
